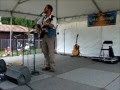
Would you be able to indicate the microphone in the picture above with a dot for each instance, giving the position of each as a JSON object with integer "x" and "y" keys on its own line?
{"x": 41, "y": 13}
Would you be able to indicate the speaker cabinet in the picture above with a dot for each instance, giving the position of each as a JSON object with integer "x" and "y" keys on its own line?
{"x": 2, "y": 66}
{"x": 18, "y": 74}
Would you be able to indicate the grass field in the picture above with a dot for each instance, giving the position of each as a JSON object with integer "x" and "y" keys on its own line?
{"x": 17, "y": 53}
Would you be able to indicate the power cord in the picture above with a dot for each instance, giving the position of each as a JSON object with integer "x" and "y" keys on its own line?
{"x": 29, "y": 86}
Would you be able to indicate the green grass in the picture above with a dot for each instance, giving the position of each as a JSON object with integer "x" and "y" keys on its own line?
{"x": 2, "y": 53}
{"x": 15, "y": 53}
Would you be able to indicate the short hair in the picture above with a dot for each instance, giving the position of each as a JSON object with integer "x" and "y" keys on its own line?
{"x": 50, "y": 7}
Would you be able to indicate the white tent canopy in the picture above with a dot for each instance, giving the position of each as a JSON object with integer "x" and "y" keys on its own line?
{"x": 62, "y": 8}
{"x": 73, "y": 14}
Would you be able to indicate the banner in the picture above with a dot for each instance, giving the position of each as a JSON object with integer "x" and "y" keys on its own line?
{"x": 102, "y": 19}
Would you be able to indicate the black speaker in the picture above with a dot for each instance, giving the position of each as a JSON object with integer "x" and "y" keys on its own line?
{"x": 18, "y": 74}
{"x": 2, "y": 66}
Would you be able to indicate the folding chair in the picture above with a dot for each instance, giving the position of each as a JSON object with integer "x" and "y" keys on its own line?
{"x": 105, "y": 48}
{"x": 107, "y": 53}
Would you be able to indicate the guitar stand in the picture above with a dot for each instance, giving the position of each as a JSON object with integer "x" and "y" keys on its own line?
{"x": 34, "y": 72}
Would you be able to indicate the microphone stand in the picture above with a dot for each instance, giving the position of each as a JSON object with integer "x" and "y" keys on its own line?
{"x": 34, "y": 72}
{"x": 15, "y": 37}
{"x": 23, "y": 48}
{"x": 16, "y": 44}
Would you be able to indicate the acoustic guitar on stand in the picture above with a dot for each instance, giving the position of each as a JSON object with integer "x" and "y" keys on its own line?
{"x": 76, "y": 50}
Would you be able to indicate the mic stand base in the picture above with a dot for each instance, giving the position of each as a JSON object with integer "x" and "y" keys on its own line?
{"x": 35, "y": 73}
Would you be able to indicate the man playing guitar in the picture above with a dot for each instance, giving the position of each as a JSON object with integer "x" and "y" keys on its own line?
{"x": 48, "y": 34}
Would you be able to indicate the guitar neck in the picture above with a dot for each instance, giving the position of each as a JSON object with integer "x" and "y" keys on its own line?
{"x": 77, "y": 38}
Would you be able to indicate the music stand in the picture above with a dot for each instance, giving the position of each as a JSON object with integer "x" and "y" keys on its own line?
{"x": 20, "y": 46}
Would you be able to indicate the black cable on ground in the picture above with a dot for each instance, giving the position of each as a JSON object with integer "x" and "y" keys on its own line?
{"x": 29, "y": 86}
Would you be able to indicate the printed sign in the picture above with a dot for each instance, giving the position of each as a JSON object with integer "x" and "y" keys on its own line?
{"x": 102, "y": 19}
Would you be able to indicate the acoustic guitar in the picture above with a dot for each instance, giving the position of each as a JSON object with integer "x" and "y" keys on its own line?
{"x": 76, "y": 50}
{"x": 40, "y": 30}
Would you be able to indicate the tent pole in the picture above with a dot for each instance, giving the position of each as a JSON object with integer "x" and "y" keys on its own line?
{"x": 55, "y": 46}
{"x": 64, "y": 41}
{"x": 119, "y": 28}
{"x": 11, "y": 35}
{"x": 57, "y": 8}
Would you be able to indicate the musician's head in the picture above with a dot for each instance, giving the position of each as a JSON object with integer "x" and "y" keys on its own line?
{"x": 48, "y": 9}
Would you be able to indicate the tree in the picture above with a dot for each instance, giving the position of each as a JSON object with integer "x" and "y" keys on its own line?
{"x": 18, "y": 21}
{"x": 5, "y": 20}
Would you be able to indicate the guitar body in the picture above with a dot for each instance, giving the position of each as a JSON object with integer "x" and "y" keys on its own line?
{"x": 42, "y": 34}
{"x": 40, "y": 29}
{"x": 76, "y": 50}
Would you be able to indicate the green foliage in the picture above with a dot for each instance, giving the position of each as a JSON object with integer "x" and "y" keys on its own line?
{"x": 30, "y": 23}
{"x": 5, "y": 20}
{"x": 18, "y": 21}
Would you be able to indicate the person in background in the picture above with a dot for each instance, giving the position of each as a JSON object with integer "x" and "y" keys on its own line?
{"x": 19, "y": 48}
{"x": 7, "y": 51}
{"x": 27, "y": 47}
